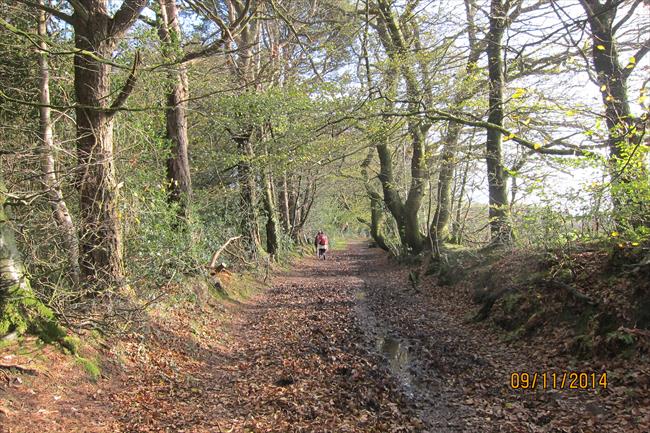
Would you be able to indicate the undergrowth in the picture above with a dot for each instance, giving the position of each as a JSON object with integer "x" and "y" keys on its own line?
{"x": 596, "y": 291}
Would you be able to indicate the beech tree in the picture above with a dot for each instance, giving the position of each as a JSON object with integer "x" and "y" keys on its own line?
{"x": 396, "y": 34}
{"x": 500, "y": 226}
{"x": 627, "y": 165}
{"x": 440, "y": 230}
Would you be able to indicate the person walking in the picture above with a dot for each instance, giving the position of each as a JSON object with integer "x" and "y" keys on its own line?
{"x": 322, "y": 245}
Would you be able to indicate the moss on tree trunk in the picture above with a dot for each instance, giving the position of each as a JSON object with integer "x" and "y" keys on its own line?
{"x": 20, "y": 310}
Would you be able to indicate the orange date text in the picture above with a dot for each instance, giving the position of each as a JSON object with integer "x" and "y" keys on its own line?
{"x": 558, "y": 380}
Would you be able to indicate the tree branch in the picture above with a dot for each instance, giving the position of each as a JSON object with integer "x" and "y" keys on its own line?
{"x": 545, "y": 149}
{"x": 79, "y": 9}
{"x": 54, "y": 12}
{"x": 126, "y": 16}
{"x": 128, "y": 86}
{"x": 148, "y": 21}
{"x": 637, "y": 58}
{"x": 296, "y": 35}
{"x": 228, "y": 31}
{"x": 216, "y": 255}
{"x": 627, "y": 16}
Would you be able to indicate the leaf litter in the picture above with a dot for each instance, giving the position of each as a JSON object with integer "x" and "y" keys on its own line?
{"x": 342, "y": 345}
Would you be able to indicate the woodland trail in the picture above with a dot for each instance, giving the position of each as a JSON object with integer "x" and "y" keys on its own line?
{"x": 342, "y": 345}
{"x": 296, "y": 359}
{"x": 346, "y": 345}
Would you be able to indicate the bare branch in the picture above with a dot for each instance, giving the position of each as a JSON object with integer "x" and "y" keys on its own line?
{"x": 626, "y": 17}
{"x": 295, "y": 33}
{"x": 637, "y": 58}
{"x": 215, "y": 256}
{"x": 228, "y": 31}
{"x": 54, "y": 12}
{"x": 128, "y": 86}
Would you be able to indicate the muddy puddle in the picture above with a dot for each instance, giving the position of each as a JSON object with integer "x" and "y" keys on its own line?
{"x": 396, "y": 351}
{"x": 417, "y": 380}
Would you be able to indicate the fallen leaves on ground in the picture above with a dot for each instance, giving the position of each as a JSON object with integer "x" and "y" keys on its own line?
{"x": 342, "y": 345}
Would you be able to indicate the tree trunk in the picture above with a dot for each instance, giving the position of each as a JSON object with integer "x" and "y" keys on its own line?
{"x": 391, "y": 195}
{"x": 14, "y": 284}
{"x": 294, "y": 208}
{"x": 100, "y": 231}
{"x": 20, "y": 310}
{"x": 458, "y": 224}
{"x": 627, "y": 162}
{"x": 248, "y": 193}
{"x": 305, "y": 206}
{"x": 246, "y": 69}
{"x": 376, "y": 209}
{"x": 272, "y": 243}
{"x": 284, "y": 200}
{"x": 414, "y": 237}
{"x": 499, "y": 214}
{"x": 439, "y": 230}
{"x": 396, "y": 35}
{"x": 55, "y": 196}
{"x": 178, "y": 166}
{"x": 386, "y": 177}
{"x": 377, "y": 221}
{"x": 270, "y": 208}
{"x": 442, "y": 216}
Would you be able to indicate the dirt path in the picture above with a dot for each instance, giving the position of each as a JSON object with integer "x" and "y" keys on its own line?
{"x": 296, "y": 359}
{"x": 347, "y": 345}
{"x": 342, "y": 345}
{"x": 457, "y": 374}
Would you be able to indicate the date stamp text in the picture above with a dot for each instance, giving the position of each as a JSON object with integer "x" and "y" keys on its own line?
{"x": 558, "y": 380}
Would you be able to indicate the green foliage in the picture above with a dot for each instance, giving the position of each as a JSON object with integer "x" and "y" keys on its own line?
{"x": 91, "y": 366}
{"x": 306, "y": 127}
{"x": 633, "y": 210}
{"x": 22, "y": 312}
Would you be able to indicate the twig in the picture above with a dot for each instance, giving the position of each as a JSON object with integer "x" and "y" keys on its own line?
{"x": 635, "y": 331}
{"x": 240, "y": 257}
{"x": 20, "y": 368}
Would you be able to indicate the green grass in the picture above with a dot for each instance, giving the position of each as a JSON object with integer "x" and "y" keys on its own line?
{"x": 91, "y": 366}
{"x": 340, "y": 243}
